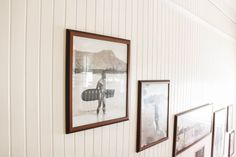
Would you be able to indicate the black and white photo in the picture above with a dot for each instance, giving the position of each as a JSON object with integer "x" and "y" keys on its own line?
{"x": 219, "y": 130}
{"x": 97, "y": 69}
{"x": 152, "y": 113}
{"x": 189, "y": 127}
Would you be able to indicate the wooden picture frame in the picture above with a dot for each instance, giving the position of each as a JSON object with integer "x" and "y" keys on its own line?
{"x": 231, "y": 148}
{"x": 153, "y": 113}
{"x": 219, "y": 131}
{"x": 229, "y": 118}
{"x": 190, "y": 128}
{"x": 97, "y": 80}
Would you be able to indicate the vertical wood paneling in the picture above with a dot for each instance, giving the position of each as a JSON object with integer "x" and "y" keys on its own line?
{"x": 91, "y": 11}
{"x": 32, "y": 78}
{"x": 46, "y": 78}
{"x": 5, "y": 78}
{"x": 97, "y": 149}
{"x": 88, "y": 142}
{"x": 17, "y": 80}
{"x": 105, "y": 141}
{"x": 113, "y": 141}
{"x": 129, "y": 18}
{"x": 107, "y": 16}
{"x": 154, "y": 39}
{"x": 145, "y": 40}
{"x": 158, "y": 42}
{"x": 150, "y": 35}
{"x": 122, "y": 18}
{"x": 120, "y": 134}
{"x": 58, "y": 78}
{"x": 140, "y": 38}
{"x": 125, "y": 143}
{"x": 81, "y": 14}
{"x": 79, "y": 145}
{"x": 99, "y": 16}
{"x": 69, "y": 146}
{"x": 174, "y": 62}
{"x": 71, "y": 10}
{"x": 70, "y": 22}
{"x": 167, "y": 42}
{"x": 115, "y": 17}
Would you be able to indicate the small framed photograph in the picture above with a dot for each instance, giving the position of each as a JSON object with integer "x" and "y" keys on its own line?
{"x": 231, "y": 150}
{"x": 153, "y": 113}
{"x": 97, "y": 70}
{"x": 229, "y": 118}
{"x": 219, "y": 130}
{"x": 189, "y": 127}
{"x": 200, "y": 152}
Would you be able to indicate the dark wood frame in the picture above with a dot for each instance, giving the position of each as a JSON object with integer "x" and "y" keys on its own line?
{"x": 228, "y": 118}
{"x": 139, "y": 125}
{"x": 213, "y": 134}
{"x": 69, "y": 60}
{"x": 231, "y": 134}
{"x": 175, "y": 130}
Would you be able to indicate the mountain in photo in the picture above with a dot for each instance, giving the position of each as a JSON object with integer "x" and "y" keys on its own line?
{"x": 104, "y": 60}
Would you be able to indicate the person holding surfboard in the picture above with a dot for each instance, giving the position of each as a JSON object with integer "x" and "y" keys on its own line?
{"x": 101, "y": 87}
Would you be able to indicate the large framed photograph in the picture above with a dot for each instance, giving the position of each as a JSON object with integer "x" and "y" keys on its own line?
{"x": 97, "y": 70}
{"x": 200, "y": 152}
{"x": 229, "y": 118}
{"x": 190, "y": 128}
{"x": 153, "y": 113}
{"x": 219, "y": 130}
{"x": 231, "y": 150}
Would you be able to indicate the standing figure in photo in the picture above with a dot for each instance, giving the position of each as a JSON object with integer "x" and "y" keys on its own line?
{"x": 101, "y": 87}
{"x": 157, "y": 118}
{"x": 155, "y": 101}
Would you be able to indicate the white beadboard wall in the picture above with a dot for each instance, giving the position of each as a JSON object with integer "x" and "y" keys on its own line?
{"x": 190, "y": 42}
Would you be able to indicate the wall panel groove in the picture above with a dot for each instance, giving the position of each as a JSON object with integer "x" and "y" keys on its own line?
{"x": 5, "y": 116}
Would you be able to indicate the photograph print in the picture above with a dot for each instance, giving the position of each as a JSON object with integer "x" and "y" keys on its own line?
{"x": 200, "y": 152}
{"x": 96, "y": 80}
{"x": 153, "y": 113}
{"x": 189, "y": 127}
{"x": 219, "y": 130}
{"x": 231, "y": 144}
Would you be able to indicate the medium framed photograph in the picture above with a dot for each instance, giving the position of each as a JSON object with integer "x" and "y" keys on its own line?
{"x": 153, "y": 113}
{"x": 231, "y": 150}
{"x": 190, "y": 128}
{"x": 97, "y": 70}
{"x": 229, "y": 118}
{"x": 200, "y": 152}
{"x": 219, "y": 130}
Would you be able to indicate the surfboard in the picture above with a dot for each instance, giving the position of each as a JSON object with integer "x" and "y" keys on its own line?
{"x": 93, "y": 94}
